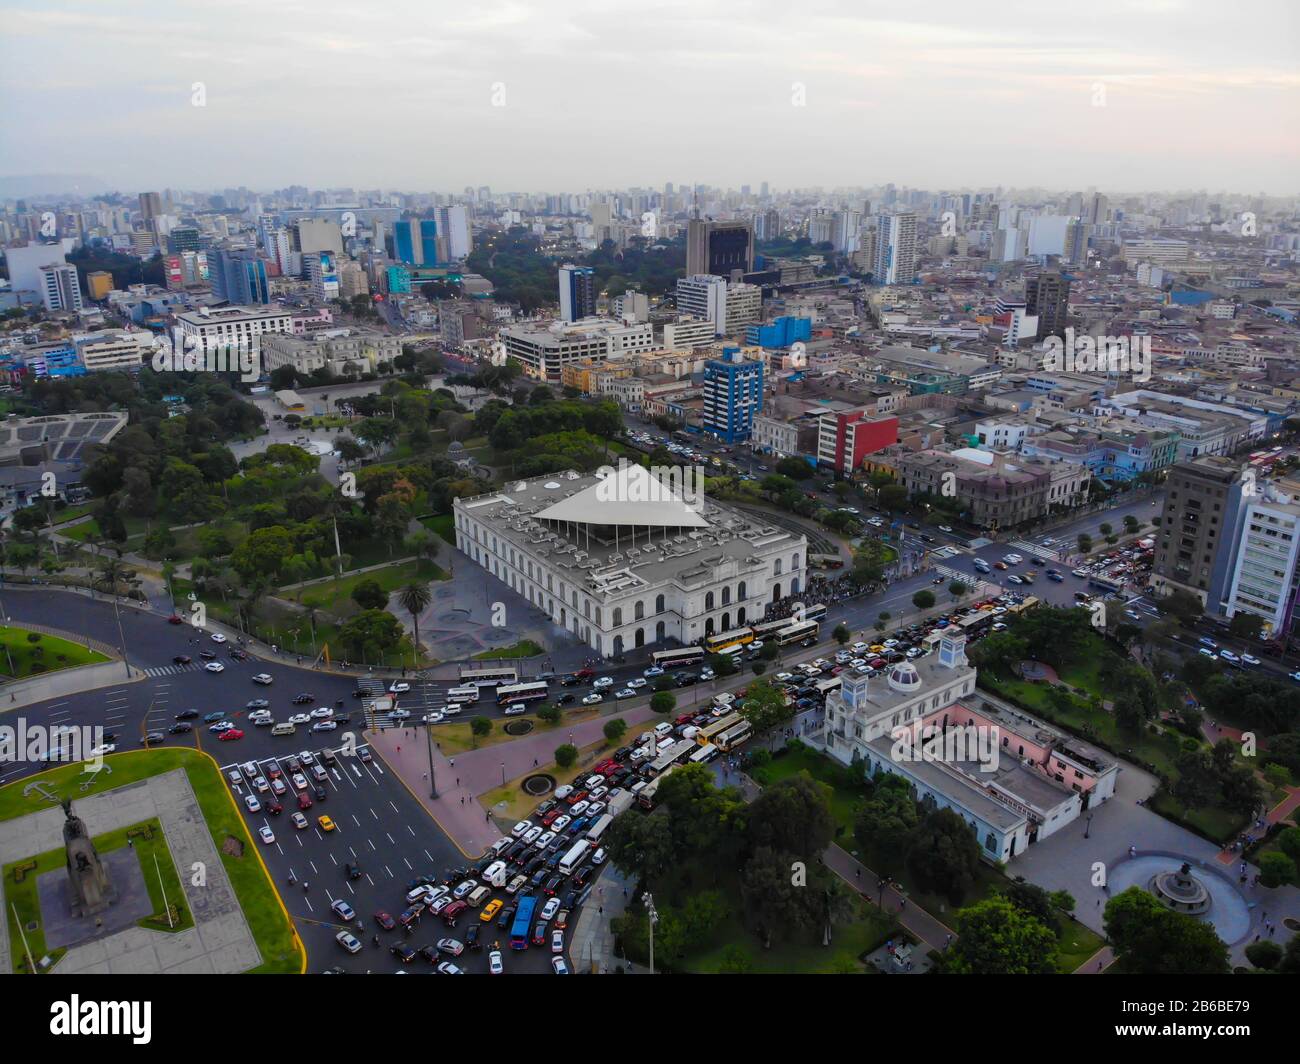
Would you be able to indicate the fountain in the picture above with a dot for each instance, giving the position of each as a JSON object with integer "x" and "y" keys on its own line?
{"x": 1181, "y": 891}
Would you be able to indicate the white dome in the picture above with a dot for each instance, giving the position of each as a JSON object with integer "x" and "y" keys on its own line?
{"x": 903, "y": 677}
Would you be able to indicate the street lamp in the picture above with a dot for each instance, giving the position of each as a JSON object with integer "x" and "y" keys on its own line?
{"x": 652, "y": 915}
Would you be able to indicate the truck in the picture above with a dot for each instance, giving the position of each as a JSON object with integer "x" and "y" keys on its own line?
{"x": 620, "y": 803}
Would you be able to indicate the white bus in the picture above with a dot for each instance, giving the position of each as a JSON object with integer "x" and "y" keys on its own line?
{"x": 797, "y": 633}
{"x": 729, "y": 740}
{"x": 598, "y": 828}
{"x": 522, "y": 692}
{"x": 704, "y": 754}
{"x": 709, "y": 732}
{"x": 495, "y": 676}
{"x": 677, "y": 659}
{"x": 646, "y": 797}
{"x": 825, "y": 687}
{"x": 462, "y": 694}
{"x": 574, "y": 857}
{"x": 675, "y": 753}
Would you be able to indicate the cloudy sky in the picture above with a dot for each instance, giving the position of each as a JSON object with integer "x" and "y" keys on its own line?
{"x": 566, "y": 95}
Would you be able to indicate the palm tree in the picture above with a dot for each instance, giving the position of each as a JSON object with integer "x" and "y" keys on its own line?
{"x": 415, "y": 599}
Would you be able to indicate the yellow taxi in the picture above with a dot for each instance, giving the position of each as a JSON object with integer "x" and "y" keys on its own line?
{"x": 326, "y": 824}
{"x": 490, "y": 910}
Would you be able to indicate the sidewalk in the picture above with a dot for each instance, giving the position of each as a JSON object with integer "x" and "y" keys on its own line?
{"x": 591, "y": 947}
{"x": 65, "y": 682}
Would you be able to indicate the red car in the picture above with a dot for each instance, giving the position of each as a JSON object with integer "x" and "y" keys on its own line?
{"x": 175, "y": 618}
{"x": 585, "y": 674}
{"x": 575, "y": 797}
{"x": 304, "y": 800}
{"x": 450, "y": 914}
{"x": 549, "y": 817}
{"x": 385, "y": 921}
{"x": 539, "y": 935}
{"x": 229, "y": 734}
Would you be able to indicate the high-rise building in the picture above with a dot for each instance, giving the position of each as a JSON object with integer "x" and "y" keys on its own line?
{"x": 704, "y": 296}
{"x": 733, "y": 395}
{"x": 183, "y": 238}
{"x": 238, "y": 277}
{"x": 415, "y": 241}
{"x": 60, "y": 289}
{"x": 99, "y": 283}
{"x": 895, "y": 248}
{"x": 718, "y": 248}
{"x": 1265, "y": 573}
{"x": 577, "y": 292}
{"x": 767, "y": 224}
{"x": 1047, "y": 295}
{"x": 1194, "y": 549}
{"x": 1076, "y": 243}
{"x": 150, "y": 205}
{"x": 455, "y": 240}
{"x": 321, "y": 268}
{"x": 319, "y": 234}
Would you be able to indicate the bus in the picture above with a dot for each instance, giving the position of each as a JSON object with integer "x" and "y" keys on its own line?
{"x": 675, "y": 753}
{"x": 647, "y": 795}
{"x": 707, "y": 734}
{"x": 598, "y": 828}
{"x": 677, "y": 659}
{"x": 574, "y": 857}
{"x": 729, "y": 740}
{"x": 815, "y": 612}
{"x": 462, "y": 694}
{"x": 825, "y": 687}
{"x": 522, "y": 927}
{"x": 522, "y": 692}
{"x": 704, "y": 754}
{"x": 797, "y": 633}
{"x": 770, "y": 628}
{"x": 496, "y": 676}
{"x": 1106, "y": 584}
{"x": 737, "y": 637}
{"x": 1023, "y": 607}
{"x": 974, "y": 623}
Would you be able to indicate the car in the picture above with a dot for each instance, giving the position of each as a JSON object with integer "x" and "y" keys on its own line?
{"x": 261, "y": 785}
{"x": 551, "y": 907}
{"x": 451, "y": 947}
{"x": 558, "y": 966}
{"x": 398, "y": 687}
{"x": 298, "y": 820}
{"x": 1013, "y": 578}
{"x": 636, "y": 683}
{"x": 257, "y": 703}
{"x": 1001, "y": 566}
{"x": 603, "y": 682}
{"x": 220, "y": 726}
{"x": 1206, "y": 641}
{"x": 300, "y": 718}
{"x": 326, "y": 824}
{"x": 653, "y": 671}
{"x": 1249, "y": 659}
{"x": 320, "y": 792}
{"x": 465, "y": 887}
{"x": 324, "y": 726}
{"x": 303, "y": 699}
{"x": 217, "y": 637}
{"x": 348, "y": 941}
{"x": 626, "y": 692}
{"x": 1207, "y": 652}
{"x": 447, "y": 968}
{"x": 352, "y": 868}
{"x": 539, "y": 935}
{"x": 230, "y": 735}
{"x": 215, "y": 666}
{"x": 402, "y": 952}
{"x": 343, "y": 910}
{"x": 521, "y": 829}
{"x": 299, "y": 781}
{"x": 592, "y": 699}
{"x": 263, "y": 678}
{"x": 490, "y": 910}
{"x": 182, "y": 659}
{"x": 181, "y": 728}
{"x": 252, "y": 802}
{"x": 153, "y": 738}
{"x": 557, "y": 941}
{"x": 598, "y": 858}
{"x": 323, "y": 713}
{"x": 495, "y": 965}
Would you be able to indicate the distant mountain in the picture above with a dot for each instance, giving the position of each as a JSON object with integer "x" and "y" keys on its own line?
{"x": 27, "y": 186}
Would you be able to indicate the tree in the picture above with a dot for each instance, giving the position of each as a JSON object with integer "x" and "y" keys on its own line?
{"x": 1276, "y": 869}
{"x": 997, "y": 937}
{"x": 663, "y": 701}
{"x": 764, "y": 707}
{"x": 923, "y": 599}
{"x": 550, "y": 713}
{"x": 1266, "y": 955}
{"x": 1245, "y": 625}
{"x": 415, "y": 599}
{"x": 1181, "y": 605}
{"x": 369, "y": 595}
{"x": 888, "y": 820}
{"x": 615, "y": 728}
{"x": 793, "y": 816}
{"x": 371, "y": 634}
{"x": 944, "y": 856}
{"x": 565, "y": 755}
{"x": 1197, "y": 783}
{"x": 957, "y": 588}
{"x": 1151, "y": 940}
{"x": 481, "y": 726}
{"x": 842, "y": 634}
{"x": 1084, "y": 543}
{"x": 641, "y": 847}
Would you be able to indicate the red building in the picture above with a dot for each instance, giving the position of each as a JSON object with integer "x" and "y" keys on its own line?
{"x": 846, "y": 437}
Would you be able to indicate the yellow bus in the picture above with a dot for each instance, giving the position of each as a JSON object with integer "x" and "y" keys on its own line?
{"x": 737, "y": 637}
{"x": 709, "y": 732}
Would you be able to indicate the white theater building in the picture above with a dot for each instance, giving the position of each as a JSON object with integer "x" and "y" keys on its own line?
{"x": 625, "y": 558}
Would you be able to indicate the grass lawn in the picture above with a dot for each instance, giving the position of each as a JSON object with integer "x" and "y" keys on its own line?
{"x": 281, "y": 951}
{"x": 519, "y": 804}
{"x": 149, "y": 844}
{"x": 457, "y": 738}
{"x": 336, "y": 595}
{"x": 20, "y": 656}
{"x": 525, "y": 648}
{"x": 443, "y": 524}
{"x": 845, "y": 798}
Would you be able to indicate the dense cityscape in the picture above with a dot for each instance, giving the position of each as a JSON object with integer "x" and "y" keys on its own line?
{"x": 890, "y": 578}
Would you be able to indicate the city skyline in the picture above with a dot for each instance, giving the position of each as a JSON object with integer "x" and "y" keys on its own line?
{"x": 1141, "y": 96}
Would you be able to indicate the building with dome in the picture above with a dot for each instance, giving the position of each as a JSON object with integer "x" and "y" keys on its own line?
{"x": 1014, "y": 779}
{"x": 629, "y": 557}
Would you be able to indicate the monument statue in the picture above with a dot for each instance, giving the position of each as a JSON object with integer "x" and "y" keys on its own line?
{"x": 89, "y": 889}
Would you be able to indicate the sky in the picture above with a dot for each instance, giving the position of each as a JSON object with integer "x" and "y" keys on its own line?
{"x": 571, "y": 95}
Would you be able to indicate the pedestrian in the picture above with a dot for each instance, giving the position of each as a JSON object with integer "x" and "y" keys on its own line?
{"x": 600, "y": 910}
{"x": 462, "y": 799}
{"x": 399, "y": 749}
{"x": 457, "y": 781}
{"x": 452, "y": 762}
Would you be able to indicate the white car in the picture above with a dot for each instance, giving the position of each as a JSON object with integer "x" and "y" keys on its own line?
{"x": 464, "y": 887}
{"x": 348, "y": 941}
{"x": 532, "y": 834}
{"x": 603, "y": 682}
{"x": 323, "y": 712}
{"x": 592, "y": 699}
{"x": 217, "y": 637}
{"x": 551, "y": 907}
{"x": 560, "y": 823}
{"x": 324, "y": 725}
{"x": 706, "y": 673}
{"x": 235, "y": 778}
{"x": 783, "y": 676}
{"x": 343, "y": 910}
{"x": 264, "y": 678}
{"x": 561, "y": 792}
{"x": 522, "y": 828}
{"x": 636, "y": 684}
{"x": 268, "y": 836}
{"x": 581, "y": 807}
{"x": 299, "y": 781}
{"x": 215, "y": 666}
{"x": 102, "y": 749}
{"x": 627, "y": 692}
{"x": 1249, "y": 659}
{"x": 653, "y": 671}
{"x": 261, "y": 785}
{"x": 433, "y": 718}
{"x": 398, "y": 687}
{"x": 254, "y": 806}
{"x": 495, "y": 966}
{"x": 300, "y": 718}
{"x": 598, "y": 858}
{"x": 400, "y": 714}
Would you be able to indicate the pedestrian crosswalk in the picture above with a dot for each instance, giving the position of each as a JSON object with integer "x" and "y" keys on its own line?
{"x": 946, "y": 551}
{"x": 949, "y": 573}
{"x": 1047, "y": 554}
{"x": 168, "y": 670}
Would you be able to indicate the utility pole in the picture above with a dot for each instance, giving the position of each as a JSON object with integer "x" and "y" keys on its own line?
{"x": 428, "y": 738}
{"x": 648, "y": 899}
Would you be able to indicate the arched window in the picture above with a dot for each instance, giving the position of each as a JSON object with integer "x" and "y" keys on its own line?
{"x": 659, "y": 604}
{"x": 659, "y": 632}
{"x": 708, "y": 626}
{"x": 794, "y": 586}
{"x": 740, "y": 592}
{"x": 618, "y": 644}
{"x": 639, "y": 611}
{"x": 740, "y": 616}
{"x": 726, "y": 596}
{"x": 708, "y": 601}
{"x": 640, "y": 637}
{"x": 618, "y": 616}
{"x": 726, "y": 622}
{"x": 794, "y": 561}
{"x": 777, "y": 570}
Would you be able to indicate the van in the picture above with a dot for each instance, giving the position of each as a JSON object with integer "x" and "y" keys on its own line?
{"x": 690, "y": 731}
{"x": 319, "y": 772}
{"x": 495, "y": 874}
{"x": 663, "y": 729}
{"x": 479, "y": 895}
{"x": 284, "y": 728}
{"x": 502, "y": 844}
